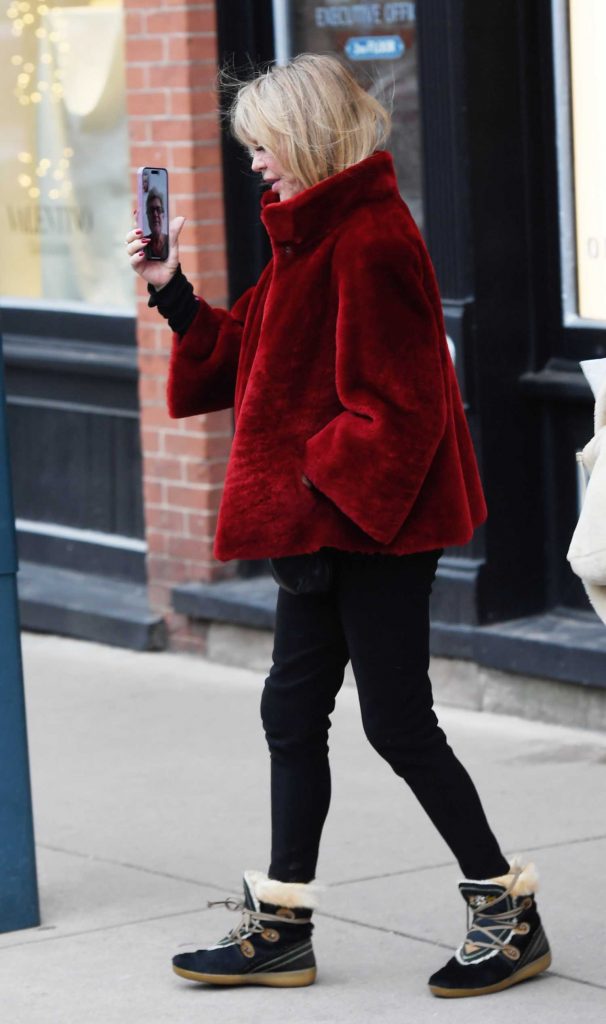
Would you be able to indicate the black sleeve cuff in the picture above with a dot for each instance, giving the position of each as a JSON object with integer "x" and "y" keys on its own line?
{"x": 176, "y": 301}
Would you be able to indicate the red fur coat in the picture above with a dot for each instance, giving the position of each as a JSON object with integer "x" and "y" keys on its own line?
{"x": 337, "y": 365}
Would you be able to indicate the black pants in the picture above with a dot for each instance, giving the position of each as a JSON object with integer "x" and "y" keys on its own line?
{"x": 377, "y": 615}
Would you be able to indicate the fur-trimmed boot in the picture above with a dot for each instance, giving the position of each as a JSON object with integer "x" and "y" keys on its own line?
{"x": 505, "y": 941}
{"x": 270, "y": 945}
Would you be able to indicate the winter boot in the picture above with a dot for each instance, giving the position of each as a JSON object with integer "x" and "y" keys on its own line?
{"x": 505, "y": 940}
{"x": 270, "y": 945}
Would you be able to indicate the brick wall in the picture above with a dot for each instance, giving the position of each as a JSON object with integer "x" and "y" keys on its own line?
{"x": 171, "y": 63}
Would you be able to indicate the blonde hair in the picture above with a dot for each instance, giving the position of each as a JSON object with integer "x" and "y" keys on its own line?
{"x": 312, "y": 114}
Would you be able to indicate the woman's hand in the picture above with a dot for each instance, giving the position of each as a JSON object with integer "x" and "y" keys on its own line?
{"x": 156, "y": 272}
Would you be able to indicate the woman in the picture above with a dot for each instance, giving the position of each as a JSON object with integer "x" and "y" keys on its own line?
{"x": 351, "y": 468}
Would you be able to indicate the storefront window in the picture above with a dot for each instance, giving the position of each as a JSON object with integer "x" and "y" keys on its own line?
{"x": 379, "y": 42}
{"x": 64, "y": 155}
{"x": 580, "y": 43}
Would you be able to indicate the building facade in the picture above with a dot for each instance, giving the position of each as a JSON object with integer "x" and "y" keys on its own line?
{"x": 500, "y": 153}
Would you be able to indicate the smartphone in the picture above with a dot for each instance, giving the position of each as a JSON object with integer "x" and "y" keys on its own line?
{"x": 152, "y": 210}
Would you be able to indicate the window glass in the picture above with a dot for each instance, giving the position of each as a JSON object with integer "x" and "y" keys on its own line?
{"x": 64, "y": 180}
{"x": 580, "y": 69}
{"x": 379, "y": 42}
{"x": 588, "y": 74}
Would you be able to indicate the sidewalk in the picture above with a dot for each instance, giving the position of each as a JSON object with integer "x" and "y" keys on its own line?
{"x": 150, "y": 783}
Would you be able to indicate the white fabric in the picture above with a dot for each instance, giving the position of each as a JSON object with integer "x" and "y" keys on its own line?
{"x": 587, "y": 552}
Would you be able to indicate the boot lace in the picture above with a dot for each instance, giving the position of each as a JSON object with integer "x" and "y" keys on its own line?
{"x": 489, "y": 924}
{"x": 252, "y": 922}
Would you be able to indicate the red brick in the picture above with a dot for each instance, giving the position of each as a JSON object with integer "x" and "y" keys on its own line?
{"x": 167, "y": 570}
{"x": 216, "y": 446}
{"x": 169, "y": 76}
{"x": 220, "y": 422}
{"x": 192, "y": 47}
{"x": 192, "y": 101}
{"x": 147, "y": 314}
{"x": 212, "y": 286}
{"x": 158, "y": 594}
{"x": 148, "y": 382}
{"x": 207, "y": 207}
{"x": 200, "y": 525}
{"x": 183, "y": 182}
{"x": 186, "y": 644}
{"x": 210, "y": 179}
{"x": 190, "y": 6}
{"x": 204, "y": 73}
{"x": 201, "y": 20}
{"x": 189, "y": 548}
{"x": 178, "y": 444}
{"x": 153, "y": 492}
{"x": 158, "y": 22}
{"x": 166, "y": 519}
{"x": 135, "y": 25}
{"x": 205, "y": 472}
{"x": 150, "y": 154}
{"x": 203, "y": 127}
{"x": 173, "y": 130}
{"x": 183, "y": 497}
{"x": 211, "y": 234}
{"x": 151, "y": 392}
{"x": 184, "y": 156}
{"x": 155, "y": 416}
{"x": 136, "y": 76}
{"x": 154, "y": 365}
{"x": 139, "y": 130}
{"x": 144, "y": 51}
{"x": 211, "y": 260}
{"x": 160, "y": 468}
{"x": 151, "y": 439}
{"x": 152, "y": 103}
{"x": 157, "y": 542}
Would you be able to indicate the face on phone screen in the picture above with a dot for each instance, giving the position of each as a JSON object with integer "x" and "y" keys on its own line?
{"x": 154, "y": 185}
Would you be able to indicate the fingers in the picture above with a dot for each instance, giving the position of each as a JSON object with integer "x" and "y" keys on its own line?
{"x": 174, "y": 229}
{"x": 135, "y": 241}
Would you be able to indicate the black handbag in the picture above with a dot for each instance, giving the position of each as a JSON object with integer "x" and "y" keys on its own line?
{"x": 304, "y": 574}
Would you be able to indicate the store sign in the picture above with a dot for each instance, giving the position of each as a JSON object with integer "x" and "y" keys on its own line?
{"x": 587, "y": 20}
{"x": 364, "y": 15}
{"x": 379, "y": 41}
{"x": 374, "y": 47}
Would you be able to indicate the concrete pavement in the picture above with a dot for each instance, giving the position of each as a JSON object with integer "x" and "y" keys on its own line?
{"x": 150, "y": 785}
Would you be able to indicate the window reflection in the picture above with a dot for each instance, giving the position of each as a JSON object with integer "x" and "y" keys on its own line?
{"x": 64, "y": 182}
{"x": 379, "y": 43}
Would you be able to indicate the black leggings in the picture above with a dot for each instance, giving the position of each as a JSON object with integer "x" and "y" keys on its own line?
{"x": 377, "y": 615}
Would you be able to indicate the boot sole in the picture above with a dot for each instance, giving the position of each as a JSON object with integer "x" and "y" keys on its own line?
{"x": 284, "y": 979}
{"x": 526, "y": 972}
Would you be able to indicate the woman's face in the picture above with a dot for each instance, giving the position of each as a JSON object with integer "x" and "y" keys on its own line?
{"x": 269, "y": 166}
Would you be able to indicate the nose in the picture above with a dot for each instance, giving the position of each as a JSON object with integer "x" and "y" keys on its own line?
{"x": 258, "y": 162}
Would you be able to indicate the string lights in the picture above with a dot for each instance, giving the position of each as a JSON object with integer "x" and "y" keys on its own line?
{"x": 34, "y": 86}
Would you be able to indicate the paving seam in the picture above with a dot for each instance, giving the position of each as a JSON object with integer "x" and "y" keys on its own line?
{"x": 131, "y": 867}
{"x": 102, "y": 928}
{"x": 332, "y": 885}
{"x": 451, "y": 863}
{"x": 440, "y": 945}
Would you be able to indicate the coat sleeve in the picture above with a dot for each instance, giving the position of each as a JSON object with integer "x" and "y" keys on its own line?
{"x": 372, "y": 458}
{"x": 204, "y": 361}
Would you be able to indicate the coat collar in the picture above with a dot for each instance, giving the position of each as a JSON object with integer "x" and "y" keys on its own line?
{"x": 317, "y": 210}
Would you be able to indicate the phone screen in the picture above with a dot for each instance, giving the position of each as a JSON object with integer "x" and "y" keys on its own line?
{"x": 153, "y": 210}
